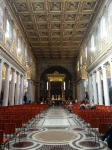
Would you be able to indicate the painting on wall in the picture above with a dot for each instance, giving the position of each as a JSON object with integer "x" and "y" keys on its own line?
{"x": 1, "y": 17}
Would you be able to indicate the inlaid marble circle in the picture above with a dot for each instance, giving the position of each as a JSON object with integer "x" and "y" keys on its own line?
{"x": 23, "y": 144}
{"x": 55, "y": 136}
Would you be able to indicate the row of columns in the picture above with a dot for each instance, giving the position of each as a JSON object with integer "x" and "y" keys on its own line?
{"x": 15, "y": 90}
{"x": 96, "y": 91}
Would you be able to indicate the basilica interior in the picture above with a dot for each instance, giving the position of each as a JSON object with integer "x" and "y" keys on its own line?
{"x": 53, "y": 52}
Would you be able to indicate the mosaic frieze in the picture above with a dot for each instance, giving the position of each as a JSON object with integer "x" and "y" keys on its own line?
{"x": 8, "y": 45}
{"x": 1, "y": 17}
{"x": 14, "y": 37}
{"x": 1, "y": 37}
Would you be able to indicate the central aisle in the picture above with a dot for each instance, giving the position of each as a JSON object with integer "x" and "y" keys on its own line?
{"x": 57, "y": 129}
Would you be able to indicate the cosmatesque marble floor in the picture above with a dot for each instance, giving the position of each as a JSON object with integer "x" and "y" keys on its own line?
{"x": 57, "y": 129}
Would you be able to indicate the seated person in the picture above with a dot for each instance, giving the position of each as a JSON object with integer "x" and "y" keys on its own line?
{"x": 93, "y": 106}
{"x": 82, "y": 106}
{"x": 88, "y": 106}
{"x": 70, "y": 106}
{"x": 108, "y": 136}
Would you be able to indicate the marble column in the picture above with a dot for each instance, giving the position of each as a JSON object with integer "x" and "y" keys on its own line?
{"x": 105, "y": 86}
{"x": 49, "y": 89}
{"x": 100, "y": 95}
{"x": 17, "y": 89}
{"x": 6, "y": 86}
{"x": 111, "y": 70}
{"x": 1, "y": 66}
{"x": 38, "y": 91}
{"x": 73, "y": 86}
{"x": 95, "y": 97}
{"x": 90, "y": 88}
{"x": 21, "y": 89}
{"x": 63, "y": 91}
{"x": 12, "y": 88}
{"x": 29, "y": 90}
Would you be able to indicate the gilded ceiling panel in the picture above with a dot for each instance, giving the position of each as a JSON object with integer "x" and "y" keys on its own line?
{"x": 89, "y": 5}
{"x": 21, "y": 7}
{"x": 40, "y": 17}
{"x": 54, "y": 6}
{"x": 25, "y": 17}
{"x": 55, "y": 28}
{"x": 38, "y": 6}
{"x": 72, "y": 6}
{"x": 28, "y": 26}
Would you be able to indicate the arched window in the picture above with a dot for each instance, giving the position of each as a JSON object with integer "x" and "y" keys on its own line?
{"x": 7, "y": 28}
{"x": 110, "y": 15}
{"x": 1, "y": 17}
{"x": 92, "y": 43}
{"x": 81, "y": 60}
{"x": 103, "y": 27}
{"x": 19, "y": 45}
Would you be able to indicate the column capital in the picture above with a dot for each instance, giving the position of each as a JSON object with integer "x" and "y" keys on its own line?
{"x": 89, "y": 75}
{"x": 94, "y": 72}
{"x": 13, "y": 70}
{"x": 7, "y": 65}
{"x": 99, "y": 69}
{"x": 1, "y": 61}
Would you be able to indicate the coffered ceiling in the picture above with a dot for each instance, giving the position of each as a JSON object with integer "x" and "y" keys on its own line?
{"x": 55, "y": 28}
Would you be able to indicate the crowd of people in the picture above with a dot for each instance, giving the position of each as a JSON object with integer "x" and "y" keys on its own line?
{"x": 87, "y": 105}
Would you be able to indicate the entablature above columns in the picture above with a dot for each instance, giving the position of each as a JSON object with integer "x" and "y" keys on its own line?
{"x": 10, "y": 59}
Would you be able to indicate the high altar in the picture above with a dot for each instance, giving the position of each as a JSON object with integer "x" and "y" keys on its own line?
{"x": 56, "y": 86}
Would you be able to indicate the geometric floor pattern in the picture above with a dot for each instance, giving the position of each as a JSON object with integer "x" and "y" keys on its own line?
{"x": 57, "y": 129}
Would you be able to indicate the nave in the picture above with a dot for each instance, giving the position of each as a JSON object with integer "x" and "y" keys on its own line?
{"x": 57, "y": 129}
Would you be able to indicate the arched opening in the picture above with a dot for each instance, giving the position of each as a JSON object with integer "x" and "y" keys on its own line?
{"x": 56, "y": 83}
